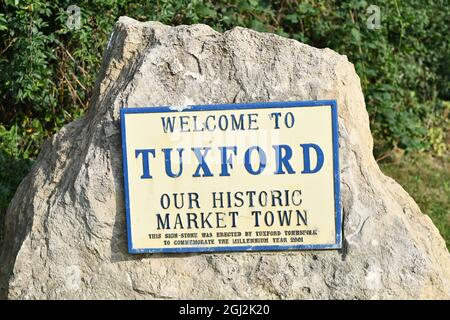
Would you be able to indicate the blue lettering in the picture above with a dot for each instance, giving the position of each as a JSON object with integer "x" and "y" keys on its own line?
{"x": 262, "y": 160}
{"x": 145, "y": 161}
{"x": 283, "y": 160}
{"x": 169, "y": 125}
{"x": 307, "y": 160}
{"x": 168, "y": 162}
{"x": 201, "y": 162}
{"x": 226, "y": 161}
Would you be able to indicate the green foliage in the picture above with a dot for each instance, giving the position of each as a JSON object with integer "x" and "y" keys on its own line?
{"x": 47, "y": 70}
{"x": 16, "y": 148}
{"x": 427, "y": 180}
{"x": 439, "y": 129}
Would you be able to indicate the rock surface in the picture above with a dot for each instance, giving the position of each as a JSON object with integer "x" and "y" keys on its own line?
{"x": 65, "y": 231}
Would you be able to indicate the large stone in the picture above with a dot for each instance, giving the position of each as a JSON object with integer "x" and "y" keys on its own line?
{"x": 65, "y": 231}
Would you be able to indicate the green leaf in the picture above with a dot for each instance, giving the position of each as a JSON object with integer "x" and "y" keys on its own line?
{"x": 292, "y": 18}
{"x": 356, "y": 35}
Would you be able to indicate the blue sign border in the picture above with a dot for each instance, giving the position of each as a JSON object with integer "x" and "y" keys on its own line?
{"x": 240, "y": 106}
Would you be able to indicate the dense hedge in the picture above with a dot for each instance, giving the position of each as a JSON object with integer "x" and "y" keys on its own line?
{"x": 47, "y": 70}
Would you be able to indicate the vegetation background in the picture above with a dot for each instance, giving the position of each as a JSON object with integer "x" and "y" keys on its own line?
{"x": 47, "y": 71}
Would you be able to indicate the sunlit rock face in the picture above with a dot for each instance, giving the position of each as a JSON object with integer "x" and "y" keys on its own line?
{"x": 65, "y": 234}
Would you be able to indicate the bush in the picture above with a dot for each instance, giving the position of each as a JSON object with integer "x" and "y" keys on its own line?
{"x": 15, "y": 163}
{"x": 48, "y": 69}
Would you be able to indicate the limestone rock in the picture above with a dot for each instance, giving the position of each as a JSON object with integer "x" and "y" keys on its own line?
{"x": 65, "y": 231}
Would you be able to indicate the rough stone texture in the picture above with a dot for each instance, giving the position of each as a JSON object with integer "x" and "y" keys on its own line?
{"x": 65, "y": 228}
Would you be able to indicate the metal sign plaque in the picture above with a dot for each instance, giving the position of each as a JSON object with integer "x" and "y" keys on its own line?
{"x": 234, "y": 177}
